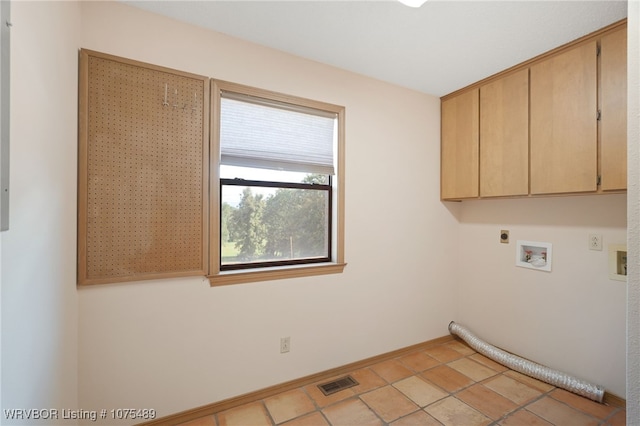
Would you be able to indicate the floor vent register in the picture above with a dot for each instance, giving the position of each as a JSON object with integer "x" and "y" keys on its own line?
{"x": 337, "y": 385}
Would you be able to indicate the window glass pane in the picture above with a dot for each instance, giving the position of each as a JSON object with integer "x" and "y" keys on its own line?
{"x": 273, "y": 224}
{"x": 248, "y": 173}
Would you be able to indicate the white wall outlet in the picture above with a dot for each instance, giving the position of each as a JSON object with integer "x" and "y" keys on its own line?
{"x": 595, "y": 242}
{"x": 285, "y": 344}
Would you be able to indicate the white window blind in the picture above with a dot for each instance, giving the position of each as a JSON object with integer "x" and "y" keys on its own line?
{"x": 261, "y": 133}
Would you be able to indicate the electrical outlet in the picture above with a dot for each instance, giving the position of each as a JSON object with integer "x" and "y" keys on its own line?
{"x": 504, "y": 236}
{"x": 595, "y": 242}
{"x": 285, "y": 344}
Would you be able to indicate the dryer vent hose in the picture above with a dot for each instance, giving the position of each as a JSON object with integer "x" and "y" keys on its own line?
{"x": 529, "y": 368}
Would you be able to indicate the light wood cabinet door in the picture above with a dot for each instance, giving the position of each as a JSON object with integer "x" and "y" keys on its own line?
{"x": 459, "y": 146}
{"x": 613, "y": 122}
{"x": 504, "y": 136}
{"x": 563, "y": 138}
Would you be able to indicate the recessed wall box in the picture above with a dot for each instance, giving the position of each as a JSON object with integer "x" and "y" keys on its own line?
{"x": 618, "y": 262}
{"x": 534, "y": 255}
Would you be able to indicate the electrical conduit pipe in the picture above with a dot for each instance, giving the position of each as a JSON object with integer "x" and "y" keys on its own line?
{"x": 529, "y": 368}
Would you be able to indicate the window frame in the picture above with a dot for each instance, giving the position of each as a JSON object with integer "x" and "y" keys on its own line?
{"x": 336, "y": 264}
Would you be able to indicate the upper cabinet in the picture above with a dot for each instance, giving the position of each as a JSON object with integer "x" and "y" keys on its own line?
{"x": 564, "y": 117}
{"x": 613, "y": 122}
{"x": 555, "y": 124}
{"x": 459, "y": 153}
{"x": 504, "y": 138}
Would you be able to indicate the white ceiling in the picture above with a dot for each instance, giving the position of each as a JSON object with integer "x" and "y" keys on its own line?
{"x": 436, "y": 49}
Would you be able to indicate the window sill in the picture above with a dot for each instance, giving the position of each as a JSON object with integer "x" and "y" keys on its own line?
{"x": 248, "y": 276}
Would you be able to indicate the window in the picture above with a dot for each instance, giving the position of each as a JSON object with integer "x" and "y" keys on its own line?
{"x": 278, "y": 168}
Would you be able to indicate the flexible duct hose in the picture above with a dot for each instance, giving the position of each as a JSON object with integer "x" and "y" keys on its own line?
{"x": 529, "y": 368}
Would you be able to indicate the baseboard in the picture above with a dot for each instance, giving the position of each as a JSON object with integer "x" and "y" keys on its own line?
{"x": 216, "y": 407}
{"x": 615, "y": 400}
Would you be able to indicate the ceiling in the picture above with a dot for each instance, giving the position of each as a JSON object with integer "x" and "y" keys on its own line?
{"x": 436, "y": 49}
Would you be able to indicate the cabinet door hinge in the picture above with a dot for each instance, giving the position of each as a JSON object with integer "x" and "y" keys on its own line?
{"x": 598, "y": 50}
{"x": 598, "y": 180}
{"x": 599, "y": 115}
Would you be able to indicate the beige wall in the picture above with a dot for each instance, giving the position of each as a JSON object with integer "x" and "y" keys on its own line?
{"x": 572, "y": 318}
{"x": 39, "y": 299}
{"x": 177, "y": 344}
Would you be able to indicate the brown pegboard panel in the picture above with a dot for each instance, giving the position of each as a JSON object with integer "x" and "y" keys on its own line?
{"x": 143, "y": 171}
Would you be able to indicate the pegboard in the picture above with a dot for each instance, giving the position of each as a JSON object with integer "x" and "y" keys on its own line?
{"x": 143, "y": 171}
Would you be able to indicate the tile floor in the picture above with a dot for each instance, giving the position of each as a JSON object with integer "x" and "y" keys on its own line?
{"x": 448, "y": 384}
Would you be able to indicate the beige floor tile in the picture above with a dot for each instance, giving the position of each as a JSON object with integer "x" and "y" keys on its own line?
{"x": 350, "y": 413}
{"x": 588, "y": 406}
{"x": 453, "y": 412}
{"x": 530, "y": 381}
{"x": 486, "y": 401}
{"x": 524, "y": 418}
{"x": 323, "y": 400}
{"x": 250, "y": 414}
{"x": 419, "y": 418}
{"x": 367, "y": 380}
{"x": 512, "y": 389}
{"x": 489, "y": 362}
{"x": 443, "y": 353}
{"x": 289, "y": 405}
{"x": 419, "y": 361}
{"x": 314, "y": 419}
{"x": 202, "y": 421}
{"x": 618, "y": 419}
{"x": 391, "y": 370}
{"x": 472, "y": 369}
{"x": 420, "y": 391}
{"x": 447, "y": 378}
{"x": 557, "y": 413}
{"x": 389, "y": 403}
{"x": 461, "y": 347}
